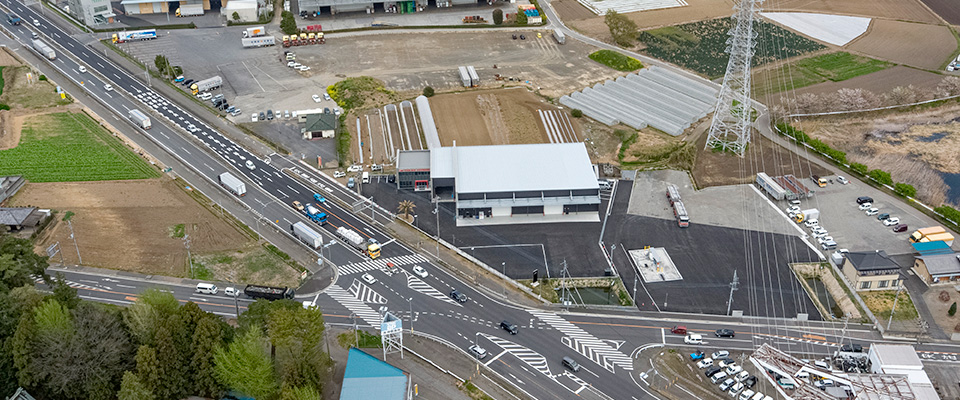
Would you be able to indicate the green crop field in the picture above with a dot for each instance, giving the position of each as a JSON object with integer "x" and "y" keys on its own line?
{"x": 616, "y": 60}
{"x": 70, "y": 147}
{"x": 700, "y": 46}
{"x": 835, "y": 67}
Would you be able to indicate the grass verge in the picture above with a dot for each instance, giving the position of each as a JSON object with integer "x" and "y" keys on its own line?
{"x": 881, "y": 302}
{"x": 616, "y": 60}
{"x": 71, "y": 147}
{"x": 360, "y": 339}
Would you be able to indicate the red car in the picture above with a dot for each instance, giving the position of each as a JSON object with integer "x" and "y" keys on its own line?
{"x": 900, "y": 228}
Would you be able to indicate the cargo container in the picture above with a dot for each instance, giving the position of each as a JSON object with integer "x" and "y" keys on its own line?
{"x": 474, "y": 78}
{"x": 254, "y": 32}
{"x": 206, "y": 84}
{"x": 269, "y": 292}
{"x": 465, "y": 77}
{"x": 770, "y": 186}
{"x": 44, "y": 50}
{"x": 140, "y": 119}
{"x": 261, "y": 41}
{"x": 190, "y": 10}
{"x": 307, "y": 235}
{"x": 126, "y": 36}
{"x": 919, "y": 234}
{"x": 559, "y": 36}
{"x": 939, "y": 237}
{"x": 233, "y": 184}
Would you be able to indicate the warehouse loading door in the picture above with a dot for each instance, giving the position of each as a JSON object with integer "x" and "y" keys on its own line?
{"x": 421, "y": 185}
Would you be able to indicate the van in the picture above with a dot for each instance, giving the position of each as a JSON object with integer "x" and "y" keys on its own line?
{"x": 365, "y": 178}
{"x": 604, "y": 184}
{"x": 207, "y": 288}
{"x": 351, "y": 183}
{"x": 829, "y": 245}
{"x": 864, "y": 199}
{"x": 572, "y": 365}
{"x": 795, "y": 203}
{"x": 746, "y": 394}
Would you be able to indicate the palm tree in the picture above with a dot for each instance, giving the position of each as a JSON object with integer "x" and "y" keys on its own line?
{"x": 406, "y": 207}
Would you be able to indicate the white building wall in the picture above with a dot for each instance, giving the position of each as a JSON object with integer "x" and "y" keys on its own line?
{"x": 553, "y": 210}
{"x": 501, "y": 211}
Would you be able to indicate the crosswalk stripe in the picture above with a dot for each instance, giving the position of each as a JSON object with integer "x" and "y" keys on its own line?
{"x": 365, "y": 293}
{"x": 417, "y": 284}
{"x": 589, "y": 346}
{"x": 355, "y": 306}
{"x": 380, "y": 263}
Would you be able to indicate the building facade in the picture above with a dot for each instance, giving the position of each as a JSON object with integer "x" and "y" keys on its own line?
{"x": 92, "y": 12}
{"x": 937, "y": 268}
{"x": 323, "y": 125}
{"x": 872, "y": 270}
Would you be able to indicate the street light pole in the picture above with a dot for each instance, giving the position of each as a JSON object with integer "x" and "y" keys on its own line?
{"x": 503, "y": 266}
{"x": 895, "y": 298}
{"x": 410, "y": 301}
{"x": 436, "y": 211}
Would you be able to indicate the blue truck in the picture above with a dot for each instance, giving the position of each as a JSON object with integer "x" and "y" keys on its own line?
{"x": 315, "y": 214}
{"x": 13, "y": 19}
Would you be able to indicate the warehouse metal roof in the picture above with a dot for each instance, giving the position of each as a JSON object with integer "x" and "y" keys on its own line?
{"x": 413, "y": 160}
{"x": 366, "y": 377}
{"x": 517, "y": 167}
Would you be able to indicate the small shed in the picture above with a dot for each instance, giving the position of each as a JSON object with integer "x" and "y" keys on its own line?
{"x": 320, "y": 125}
{"x": 18, "y": 218}
{"x": 937, "y": 268}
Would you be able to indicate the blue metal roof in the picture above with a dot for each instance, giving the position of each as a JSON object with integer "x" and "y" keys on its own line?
{"x": 932, "y": 248}
{"x": 366, "y": 377}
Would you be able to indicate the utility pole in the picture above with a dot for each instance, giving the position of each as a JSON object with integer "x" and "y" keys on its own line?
{"x": 734, "y": 286}
{"x": 894, "y": 310}
{"x": 436, "y": 211}
{"x": 636, "y": 279}
{"x": 74, "y": 237}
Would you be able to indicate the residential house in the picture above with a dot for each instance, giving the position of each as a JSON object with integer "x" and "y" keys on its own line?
{"x": 871, "y": 270}
{"x": 937, "y": 268}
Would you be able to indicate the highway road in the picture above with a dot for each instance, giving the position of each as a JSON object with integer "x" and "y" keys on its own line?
{"x": 605, "y": 345}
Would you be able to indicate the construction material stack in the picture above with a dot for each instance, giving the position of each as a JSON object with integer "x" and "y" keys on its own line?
{"x": 465, "y": 77}
{"x": 370, "y": 248}
{"x": 269, "y": 292}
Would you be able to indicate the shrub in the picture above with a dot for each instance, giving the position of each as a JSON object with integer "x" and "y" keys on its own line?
{"x": 859, "y": 168}
{"x": 287, "y": 24}
{"x": 576, "y": 113}
{"x": 616, "y": 60}
{"x": 521, "y": 19}
{"x": 428, "y": 91}
{"x": 881, "y": 176}
{"x": 949, "y": 212}
{"x": 236, "y": 16}
{"x": 43, "y": 77}
{"x": 4, "y": 107}
{"x": 623, "y": 30}
{"x": 953, "y": 309}
{"x": 497, "y": 16}
{"x": 905, "y": 189}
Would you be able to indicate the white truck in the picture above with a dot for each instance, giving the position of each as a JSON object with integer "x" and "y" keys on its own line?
{"x": 254, "y": 32}
{"x": 44, "y": 50}
{"x": 307, "y": 235}
{"x": 140, "y": 119}
{"x": 206, "y": 84}
{"x": 190, "y": 10}
{"x": 807, "y": 215}
{"x": 233, "y": 184}
{"x": 260, "y": 41}
{"x": 558, "y": 34}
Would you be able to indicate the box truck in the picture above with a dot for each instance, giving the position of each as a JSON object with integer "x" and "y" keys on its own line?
{"x": 307, "y": 235}
{"x": 190, "y": 10}
{"x": 919, "y": 234}
{"x": 261, "y": 41}
{"x": 254, "y": 32}
{"x": 44, "y": 50}
{"x": 206, "y": 84}
{"x": 233, "y": 184}
{"x": 126, "y": 36}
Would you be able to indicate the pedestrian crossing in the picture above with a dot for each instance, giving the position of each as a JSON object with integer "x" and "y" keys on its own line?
{"x": 419, "y": 285}
{"x": 380, "y": 263}
{"x": 355, "y": 306}
{"x": 586, "y": 344}
{"x": 365, "y": 293}
{"x": 533, "y": 359}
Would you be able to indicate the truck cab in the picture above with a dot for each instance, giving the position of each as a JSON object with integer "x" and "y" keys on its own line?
{"x": 373, "y": 250}
{"x": 13, "y": 19}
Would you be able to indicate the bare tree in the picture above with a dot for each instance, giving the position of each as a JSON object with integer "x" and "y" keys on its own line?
{"x": 902, "y": 95}
{"x": 853, "y": 99}
{"x": 949, "y": 86}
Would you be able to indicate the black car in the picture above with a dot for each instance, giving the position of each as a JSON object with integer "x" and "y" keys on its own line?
{"x": 512, "y": 328}
{"x": 864, "y": 199}
{"x": 712, "y": 371}
{"x": 883, "y": 216}
{"x": 262, "y": 117}
{"x": 187, "y": 82}
{"x": 724, "y": 333}
{"x": 852, "y": 348}
{"x": 514, "y": 36}
{"x": 270, "y": 114}
{"x": 523, "y": 37}
{"x": 459, "y": 297}
{"x": 750, "y": 382}
{"x": 391, "y": 179}
{"x": 224, "y": 106}
{"x": 900, "y": 228}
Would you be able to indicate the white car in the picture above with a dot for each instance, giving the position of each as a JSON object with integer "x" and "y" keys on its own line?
{"x": 355, "y": 168}
{"x": 693, "y": 338}
{"x": 873, "y": 211}
{"x": 369, "y": 279}
{"x": 108, "y": 87}
{"x": 337, "y": 111}
{"x": 811, "y": 223}
{"x": 825, "y": 239}
{"x": 36, "y": 22}
{"x": 205, "y": 96}
{"x": 303, "y": 68}
{"x": 326, "y": 96}
{"x": 192, "y": 128}
{"x": 478, "y": 352}
{"x": 253, "y": 117}
{"x": 290, "y": 64}
{"x": 704, "y": 363}
{"x": 820, "y": 234}
{"x": 865, "y": 206}
{"x": 250, "y": 165}
{"x": 793, "y": 209}
{"x": 232, "y": 292}
{"x": 339, "y": 174}
{"x": 891, "y": 221}
{"x": 842, "y": 180}
{"x": 420, "y": 271}
{"x": 316, "y": 98}
{"x": 720, "y": 354}
{"x": 82, "y": 69}
{"x": 734, "y": 369}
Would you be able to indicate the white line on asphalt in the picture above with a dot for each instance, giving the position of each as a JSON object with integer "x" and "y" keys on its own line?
{"x": 295, "y": 190}
{"x": 101, "y": 65}
{"x": 165, "y": 135}
{"x": 185, "y": 150}
{"x": 282, "y": 194}
{"x": 211, "y": 168}
{"x": 126, "y": 286}
{"x": 663, "y": 335}
{"x": 118, "y": 76}
{"x": 494, "y": 358}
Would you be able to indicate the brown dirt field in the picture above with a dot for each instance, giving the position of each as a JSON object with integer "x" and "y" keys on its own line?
{"x": 908, "y": 10}
{"x": 878, "y": 82}
{"x": 947, "y": 9}
{"x": 126, "y": 225}
{"x": 897, "y": 41}
{"x": 571, "y": 10}
{"x": 939, "y": 308}
{"x": 718, "y": 169}
{"x": 489, "y": 117}
{"x": 696, "y": 11}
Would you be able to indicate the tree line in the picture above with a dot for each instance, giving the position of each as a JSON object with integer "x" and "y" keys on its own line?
{"x": 58, "y": 346}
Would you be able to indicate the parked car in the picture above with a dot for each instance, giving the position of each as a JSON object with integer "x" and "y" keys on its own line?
{"x": 205, "y": 96}
{"x": 727, "y": 384}
{"x": 420, "y": 271}
{"x": 355, "y": 168}
{"x": 811, "y": 223}
{"x": 253, "y": 117}
{"x": 891, "y": 221}
{"x": 459, "y": 297}
{"x": 864, "y": 199}
{"x": 514, "y": 36}
{"x": 726, "y": 362}
{"x": 705, "y": 363}
{"x": 351, "y": 182}
{"x": 900, "y": 228}
{"x": 750, "y": 382}
{"x": 316, "y": 98}
{"x": 339, "y": 174}
{"x": 865, "y": 206}
{"x": 883, "y": 216}
{"x": 873, "y": 211}
{"x": 326, "y": 97}
{"x": 186, "y": 82}
{"x": 842, "y": 180}
{"x": 698, "y": 355}
{"x": 522, "y": 37}
{"x": 734, "y": 369}
{"x": 712, "y": 371}
{"x": 825, "y": 239}
{"x": 369, "y": 279}
{"x": 262, "y": 117}
{"x": 270, "y": 114}
{"x": 720, "y": 354}
{"x": 724, "y": 333}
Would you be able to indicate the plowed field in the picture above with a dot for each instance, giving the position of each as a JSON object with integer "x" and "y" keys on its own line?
{"x": 917, "y": 45}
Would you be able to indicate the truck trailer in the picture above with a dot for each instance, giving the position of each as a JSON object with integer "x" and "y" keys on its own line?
{"x": 126, "y": 36}
{"x": 268, "y": 292}
{"x": 771, "y": 186}
{"x": 474, "y": 78}
{"x": 939, "y": 237}
{"x": 465, "y": 77}
{"x": 139, "y": 118}
{"x": 919, "y": 234}
{"x": 44, "y": 50}
{"x": 206, "y": 84}
{"x": 254, "y": 32}
{"x": 190, "y": 10}
{"x": 673, "y": 194}
{"x": 261, "y": 41}
{"x": 233, "y": 184}
{"x": 680, "y": 213}
{"x": 807, "y": 215}
{"x": 307, "y": 235}
{"x": 370, "y": 248}
{"x": 559, "y": 36}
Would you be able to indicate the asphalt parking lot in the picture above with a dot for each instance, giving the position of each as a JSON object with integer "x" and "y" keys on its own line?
{"x": 706, "y": 256}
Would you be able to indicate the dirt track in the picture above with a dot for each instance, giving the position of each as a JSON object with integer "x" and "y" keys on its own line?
{"x": 126, "y": 224}
{"x": 490, "y": 117}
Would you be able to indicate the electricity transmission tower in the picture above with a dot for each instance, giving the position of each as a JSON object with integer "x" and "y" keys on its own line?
{"x": 730, "y": 128}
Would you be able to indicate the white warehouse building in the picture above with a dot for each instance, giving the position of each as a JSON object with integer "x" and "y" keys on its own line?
{"x": 507, "y": 184}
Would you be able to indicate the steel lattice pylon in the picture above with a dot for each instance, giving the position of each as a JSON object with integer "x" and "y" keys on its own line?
{"x": 730, "y": 128}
